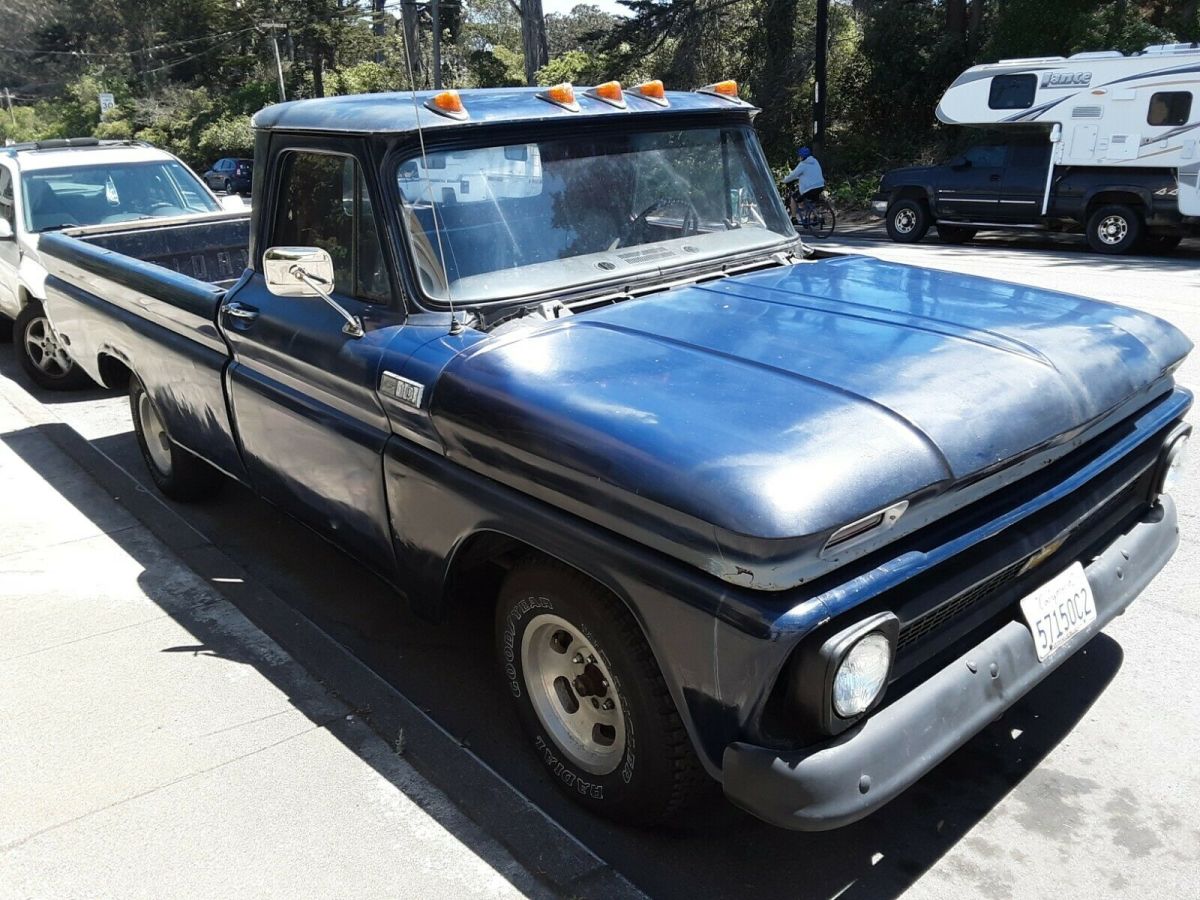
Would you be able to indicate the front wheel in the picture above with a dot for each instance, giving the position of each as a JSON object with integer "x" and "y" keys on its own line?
{"x": 907, "y": 221}
{"x": 175, "y": 471}
{"x": 43, "y": 355}
{"x": 590, "y": 695}
{"x": 1114, "y": 228}
{"x": 820, "y": 219}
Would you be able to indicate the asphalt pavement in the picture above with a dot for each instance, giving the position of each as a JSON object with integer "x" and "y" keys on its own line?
{"x": 1085, "y": 788}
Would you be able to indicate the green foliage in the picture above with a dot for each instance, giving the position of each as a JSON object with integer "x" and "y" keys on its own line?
{"x": 227, "y": 136}
{"x": 575, "y": 66}
{"x": 499, "y": 67}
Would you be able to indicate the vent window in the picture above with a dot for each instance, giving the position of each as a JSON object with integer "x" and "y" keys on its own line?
{"x": 1012, "y": 91}
{"x": 1170, "y": 108}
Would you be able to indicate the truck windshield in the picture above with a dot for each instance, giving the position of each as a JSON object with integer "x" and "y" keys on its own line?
{"x": 529, "y": 218}
{"x": 115, "y": 192}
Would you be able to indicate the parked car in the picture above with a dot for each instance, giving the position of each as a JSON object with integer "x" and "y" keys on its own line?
{"x": 231, "y": 176}
{"x": 1098, "y": 143}
{"x": 87, "y": 186}
{"x": 801, "y": 526}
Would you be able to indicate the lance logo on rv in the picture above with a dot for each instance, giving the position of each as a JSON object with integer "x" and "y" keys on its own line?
{"x": 1066, "y": 79}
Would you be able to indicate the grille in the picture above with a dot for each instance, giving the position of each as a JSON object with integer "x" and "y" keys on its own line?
{"x": 956, "y": 606}
{"x": 979, "y": 593}
{"x": 648, "y": 255}
{"x": 1087, "y": 112}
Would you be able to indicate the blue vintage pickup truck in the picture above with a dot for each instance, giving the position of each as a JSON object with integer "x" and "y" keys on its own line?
{"x": 801, "y": 526}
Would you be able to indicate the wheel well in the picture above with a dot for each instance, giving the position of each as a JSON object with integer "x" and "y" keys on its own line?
{"x": 113, "y": 372}
{"x": 1125, "y": 198}
{"x": 910, "y": 193}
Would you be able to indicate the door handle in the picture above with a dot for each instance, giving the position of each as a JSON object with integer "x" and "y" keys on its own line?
{"x": 993, "y": 178}
{"x": 243, "y": 314}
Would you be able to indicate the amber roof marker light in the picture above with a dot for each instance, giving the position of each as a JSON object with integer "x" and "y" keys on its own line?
{"x": 610, "y": 92}
{"x": 447, "y": 103}
{"x": 652, "y": 91}
{"x": 562, "y": 95}
{"x": 727, "y": 90}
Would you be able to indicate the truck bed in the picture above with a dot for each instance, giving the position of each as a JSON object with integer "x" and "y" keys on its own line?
{"x": 214, "y": 250}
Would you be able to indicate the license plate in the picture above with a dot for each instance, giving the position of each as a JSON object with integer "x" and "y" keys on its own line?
{"x": 1059, "y": 610}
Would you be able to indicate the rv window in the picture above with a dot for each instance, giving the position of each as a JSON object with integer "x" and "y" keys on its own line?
{"x": 1170, "y": 108}
{"x": 1012, "y": 91}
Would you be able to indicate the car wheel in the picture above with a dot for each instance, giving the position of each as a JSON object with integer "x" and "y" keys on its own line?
{"x": 591, "y": 697}
{"x": 1114, "y": 228}
{"x": 42, "y": 353}
{"x": 176, "y": 472}
{"x": 228, "y": 186}
{"x": 907, "y": 221}
{"x": 955, "y": 234}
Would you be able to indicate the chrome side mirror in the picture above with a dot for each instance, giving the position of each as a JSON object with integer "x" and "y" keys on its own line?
{"x": 6, "y": 230}
{"x": 305, "y": 272}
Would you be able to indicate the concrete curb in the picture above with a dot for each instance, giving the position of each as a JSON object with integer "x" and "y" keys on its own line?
{"x": 538, "y": 842}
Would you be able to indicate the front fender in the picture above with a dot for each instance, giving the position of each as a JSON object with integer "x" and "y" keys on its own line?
{"x": 31, "y": 279}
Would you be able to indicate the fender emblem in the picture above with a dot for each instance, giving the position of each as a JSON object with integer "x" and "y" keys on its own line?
{"x": 407, "y": 391}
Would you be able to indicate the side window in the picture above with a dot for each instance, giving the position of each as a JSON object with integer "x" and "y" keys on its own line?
{"x": 989, "y": 156}
{"x": 1030, "y": 156}
{"x": 1012, "y": 91}
{"x": 6, "y": 198}
{"x": 1170, "y": 108}
{"x": 323, "y": 202}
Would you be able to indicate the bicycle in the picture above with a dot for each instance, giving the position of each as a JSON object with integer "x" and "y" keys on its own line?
{"x": 816, "y": 218}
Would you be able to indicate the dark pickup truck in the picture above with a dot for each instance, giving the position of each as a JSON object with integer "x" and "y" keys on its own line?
{"x": 804, "y": 526}
{"x": 1002, "y": 184}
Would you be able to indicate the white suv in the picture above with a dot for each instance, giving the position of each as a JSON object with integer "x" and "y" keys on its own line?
{"x": 76, "y": 183}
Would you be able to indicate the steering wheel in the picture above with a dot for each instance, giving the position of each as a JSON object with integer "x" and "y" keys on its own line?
{"x": 637, "y": 225}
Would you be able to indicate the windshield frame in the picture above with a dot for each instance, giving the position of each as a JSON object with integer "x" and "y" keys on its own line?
{"x": 520, "y": 133}
{"x": 168, "y": 165}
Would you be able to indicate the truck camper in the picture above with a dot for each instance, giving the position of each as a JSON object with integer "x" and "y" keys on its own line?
{"x": 1100, "y": 142}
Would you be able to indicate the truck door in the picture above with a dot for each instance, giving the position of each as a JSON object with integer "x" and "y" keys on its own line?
{"x": 969, "y": 187}
{"x": 1024, "y": 180}
{"x": 10, "y": 254}
{"x": 302, "y": 391}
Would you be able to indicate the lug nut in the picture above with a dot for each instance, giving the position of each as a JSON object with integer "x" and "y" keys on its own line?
{"x": 577, "y": 659}
{"x": 608, "y": 704}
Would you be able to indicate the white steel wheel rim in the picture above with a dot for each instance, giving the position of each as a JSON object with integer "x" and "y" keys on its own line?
{"x": 158, "y": 445}
{"x": 573, "y": 694}
{"x": 905, "y": 221}
{"x": 43, "y": 347}
{"x": 1113, "y": 229}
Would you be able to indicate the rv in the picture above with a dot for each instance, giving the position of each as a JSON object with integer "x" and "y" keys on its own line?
{"x": 1102, "y": 142}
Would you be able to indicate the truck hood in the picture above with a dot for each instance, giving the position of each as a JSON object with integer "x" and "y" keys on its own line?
{"x": 728, "y": 420}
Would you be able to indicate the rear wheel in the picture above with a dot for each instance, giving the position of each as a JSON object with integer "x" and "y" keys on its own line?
{"x": 228, "y": 186}
{"x": 43, "y": 355}
{"x": 1114, "y": 228}
{"x": 907, "y": 221}
{"x": 176, "y": 472}
{"x": 590, "y": 695}
{"x": 954, "y": 234}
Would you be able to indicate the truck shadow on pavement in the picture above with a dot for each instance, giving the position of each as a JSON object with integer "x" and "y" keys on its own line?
{"x": 347, "y": 628}
{"x": 212, "y": 615}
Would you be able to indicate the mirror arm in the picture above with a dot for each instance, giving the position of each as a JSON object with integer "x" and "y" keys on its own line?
{"x": 353, "y": 326}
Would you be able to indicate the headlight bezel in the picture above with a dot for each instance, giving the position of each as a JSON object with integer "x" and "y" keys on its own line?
{"x": 816, "y": 669}
{"x": 1173, "y": 448}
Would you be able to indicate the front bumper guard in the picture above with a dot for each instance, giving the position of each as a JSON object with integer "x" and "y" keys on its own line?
{"x": 855, "y": 774}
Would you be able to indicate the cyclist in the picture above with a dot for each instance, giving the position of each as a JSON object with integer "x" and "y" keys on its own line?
{"x": 809, "y": 180}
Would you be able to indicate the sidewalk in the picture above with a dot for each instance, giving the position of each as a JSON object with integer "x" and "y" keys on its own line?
{"x": 154, "y": 743}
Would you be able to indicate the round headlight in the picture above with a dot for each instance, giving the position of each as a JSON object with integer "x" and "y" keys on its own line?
{"x": 1173, "y": 464}
{"x": 862, "y": 675}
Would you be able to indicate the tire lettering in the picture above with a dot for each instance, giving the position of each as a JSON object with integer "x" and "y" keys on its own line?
{"x": 569, "y": 778}
{"x": 510, "y": 638}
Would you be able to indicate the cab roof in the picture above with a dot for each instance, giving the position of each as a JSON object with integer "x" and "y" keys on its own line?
{"x": 395, "y": 112}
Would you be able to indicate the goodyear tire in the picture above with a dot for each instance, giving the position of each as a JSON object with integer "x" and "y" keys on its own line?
{"x": 176, "y": 472}
{"x": 907, "y": 221}
{"x": 43, "y": 355}
{"x": 591, "y": 697}
{"x": 1114, "y": 228}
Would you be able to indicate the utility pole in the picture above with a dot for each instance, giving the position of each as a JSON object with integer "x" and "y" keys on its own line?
{"x": 821, "y": 78}
{"x": 275, "y": 28}
{"x": 8, "y": 101}
{"x": 437, "y": 45}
